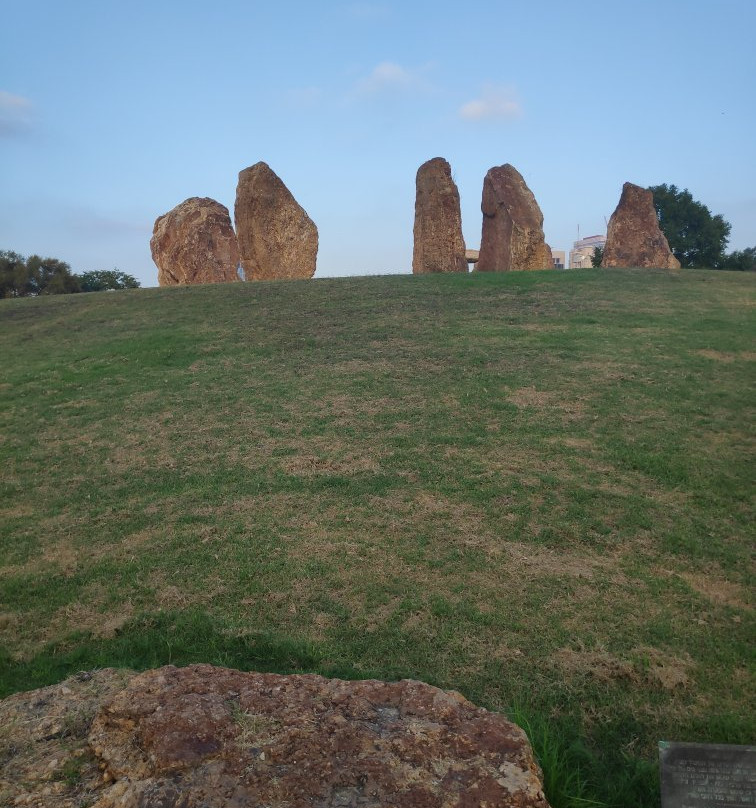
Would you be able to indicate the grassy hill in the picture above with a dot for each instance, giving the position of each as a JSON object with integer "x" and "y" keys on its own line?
{"x": 533, "y": 488}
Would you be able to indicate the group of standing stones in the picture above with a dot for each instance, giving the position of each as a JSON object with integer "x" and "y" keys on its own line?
{"x": 275, "y": 239}
{"x": 512, "y": 236}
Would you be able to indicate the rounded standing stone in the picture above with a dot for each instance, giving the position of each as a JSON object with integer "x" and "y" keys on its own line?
{"x": 195, "y": 243}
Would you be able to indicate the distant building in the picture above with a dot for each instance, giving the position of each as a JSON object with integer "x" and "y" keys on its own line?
{"x": 558, "y": 257}
{"x": 582, "y": 251}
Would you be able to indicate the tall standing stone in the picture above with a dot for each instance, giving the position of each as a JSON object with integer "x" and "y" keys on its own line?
{"x": 439, "y": 244}
{"x": 512, "y": 236}
{"x": 277, "y": 239}
{"x": 634, "y": 238}
{"x": 195, "y": 243}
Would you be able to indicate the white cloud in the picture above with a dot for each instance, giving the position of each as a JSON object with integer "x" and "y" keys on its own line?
{"x": 495, "y": 103}
{"x": 15, "y": 114}
{"x": 392, "y": 76}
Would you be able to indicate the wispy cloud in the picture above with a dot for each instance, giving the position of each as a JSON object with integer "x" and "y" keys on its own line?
{"x": 390, "y": 76}
{"x": 15, "y": 114}
{"x": 495, "y": 103}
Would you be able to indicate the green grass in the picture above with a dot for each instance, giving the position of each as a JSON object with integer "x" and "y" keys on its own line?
{"x": 533, "y": 488}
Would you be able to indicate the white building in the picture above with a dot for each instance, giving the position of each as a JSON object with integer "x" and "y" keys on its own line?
{"x": 558, "y": 257}
{"x": 582, "y": 251}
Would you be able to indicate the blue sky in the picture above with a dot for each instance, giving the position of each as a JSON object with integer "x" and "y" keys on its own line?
{"x": 112, "y": 113}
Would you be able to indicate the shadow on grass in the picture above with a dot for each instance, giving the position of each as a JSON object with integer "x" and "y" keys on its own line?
{"x": 167, "y": 638}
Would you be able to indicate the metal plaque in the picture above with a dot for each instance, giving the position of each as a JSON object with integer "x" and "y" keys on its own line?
{"x": 699, "y": 775}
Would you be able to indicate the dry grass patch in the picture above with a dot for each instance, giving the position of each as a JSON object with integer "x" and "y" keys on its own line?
{"x": 344, "y": 409}
{"x": 170, "y": 596}
{"x": 717, "y": 589}
{"x": 93, "y": 612}
{"x": 641, "y": 666}
{"x": 305, "y": 465}
{"x": 540, "y": 327}
{"x": 573, "y": 407}
{"x": 725, "y": 357}
{"x": 528, "y": 562}
{"x": 67, "y": 554}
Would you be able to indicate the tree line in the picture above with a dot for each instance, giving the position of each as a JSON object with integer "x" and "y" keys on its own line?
{"x": 33, "y": 276}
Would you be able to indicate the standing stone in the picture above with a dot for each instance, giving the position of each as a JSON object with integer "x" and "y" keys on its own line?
{"x": 195, "y": 243}
{"x": 277, "y": 239}
{"x": 634, "y": 238}
{"x": 439, "y": 244}
{"x": 512, "y": 235}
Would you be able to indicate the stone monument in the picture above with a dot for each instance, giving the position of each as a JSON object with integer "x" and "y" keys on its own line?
{"x": 438, "y": 242}
{"x": 195, "y": 243}
{"x": 277, "y": 239}
{"x": 512, "y": 236}
{"x": 634, "y": 238}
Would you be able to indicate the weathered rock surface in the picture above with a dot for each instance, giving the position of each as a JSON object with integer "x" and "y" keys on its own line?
{"x": 634, "y": 238}
{"x": 439, "y": 244}
{"x": 277, "y": 239}
{"x": 512, "y": 236}
{"x": 195, "y": 243}
{"x": 212, "y": 737}
{"x": 45, "y": 758}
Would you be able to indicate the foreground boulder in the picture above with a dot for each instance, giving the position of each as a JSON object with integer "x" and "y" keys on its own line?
{"x": 439, "y": 244}
{"x": 212, "y": 737}
{"x": 634, "y": 238}
{"x": 277, "y": 239}
{"x": 512, "y": 236}
{"x": 195, "y": 243}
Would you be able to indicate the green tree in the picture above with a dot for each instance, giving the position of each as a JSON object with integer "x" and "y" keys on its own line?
{"x": 101, "y": 280}
{"x": 49, "y": 276}
{"x": 744, "y": 260}
{"x": 597, "y": 257}
{"x": 13, "y": 274}
{"x": 696, "y": 238}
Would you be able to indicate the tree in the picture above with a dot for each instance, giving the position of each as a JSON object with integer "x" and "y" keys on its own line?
{"x": 13, "y": 274}
{"x": 101, "y": 280}
{"x": 744, "y": 260}
{"x": 696, "y": 238}
{"x": 49, "y": 276}
{"x": 29, "y": 277}
{"x": 597, "y": 257}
